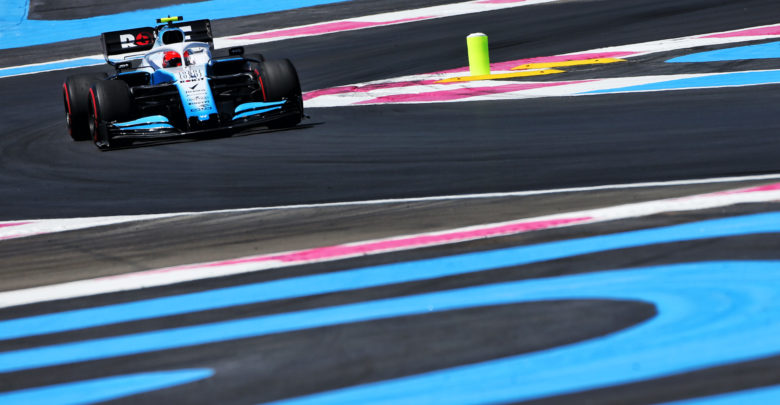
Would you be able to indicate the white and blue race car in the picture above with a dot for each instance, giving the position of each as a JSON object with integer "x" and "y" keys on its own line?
{"x": 168, "y": 84}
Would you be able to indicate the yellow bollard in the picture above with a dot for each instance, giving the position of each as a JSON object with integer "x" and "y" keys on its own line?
{"x": 479, "y": 57}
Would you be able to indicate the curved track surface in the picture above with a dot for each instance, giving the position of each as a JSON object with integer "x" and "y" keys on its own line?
{"x": 649, "y": 306}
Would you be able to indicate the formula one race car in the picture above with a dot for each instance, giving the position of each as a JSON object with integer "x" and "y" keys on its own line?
{"x": 172, "y": 86}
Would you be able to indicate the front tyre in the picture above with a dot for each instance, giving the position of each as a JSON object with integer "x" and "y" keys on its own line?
{"x": 109, "y": 101}
{"x": 280, "y": 82}
{"x": 75, "y": 91}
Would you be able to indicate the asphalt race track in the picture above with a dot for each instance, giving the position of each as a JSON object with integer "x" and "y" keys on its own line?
{"x": 408, "y": 252}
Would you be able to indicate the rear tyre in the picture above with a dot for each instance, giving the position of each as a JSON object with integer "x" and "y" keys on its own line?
{"x": 108, "y": 101}
{"x": 75, "y": 92}
{"x": 280, "y": 82}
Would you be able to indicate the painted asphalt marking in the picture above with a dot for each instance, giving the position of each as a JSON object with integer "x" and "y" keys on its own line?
{"x": 415, "y": 92}
{"x": 529, "y": 73}
{"x": 21, "y": 229}
{"x": 103, "y": 389}
{"x": 763, "y": 395}
{"x": 375, "y": 276}
{"x": 480, "y": 89}
{"x": 578, "y": 62}
{"x": 377, "y": 20}
{"x": 10, "y": 224}
{"x": 95, "y": 26}
{"x": 571, "y": 57}
{"x": 704, "y": 311}
{"x": 762, "y": 51}
{"x": 419, "y": 89}
{"x": 737, "y": 79}
{"x": 765, "y": 31}
{"x": 178, "y": 274}
{"x": 27, "y": 228}
{"x": 48, "y": 67}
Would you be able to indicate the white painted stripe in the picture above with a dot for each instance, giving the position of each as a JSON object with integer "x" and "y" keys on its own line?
{"x": 665, "y": 45}
{"x": 173, "y": 275}
{"x": 46, "y": 226}
{"x": 528, "y": 193}
{"x": 386, "y": 19}
{"x": 378, "y": 94}
{"x": 32, "y": 227}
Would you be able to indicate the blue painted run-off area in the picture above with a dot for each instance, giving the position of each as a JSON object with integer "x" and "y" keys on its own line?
{"x": 103, "y": 389}
{"x": 762, "y": 51}
{"x": 17, "y": 31}
{"x": 21, "y": 70}
{"x": 377, "y": 276}
{"x": 717, "y": 80}
{"x": 709, "y": 314}
{"x": 763, "y": 395}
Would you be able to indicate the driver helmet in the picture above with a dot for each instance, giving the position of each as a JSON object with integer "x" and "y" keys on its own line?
{"x": 171, "y": 59}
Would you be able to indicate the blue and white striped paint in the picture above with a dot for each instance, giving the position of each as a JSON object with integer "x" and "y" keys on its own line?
{"x": 377, "y": 276}
{"x": 709, "y": 314}
{"x": 706, "y": 313}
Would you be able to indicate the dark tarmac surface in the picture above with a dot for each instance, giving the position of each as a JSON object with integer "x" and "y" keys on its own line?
{"x": 394, "y": 151}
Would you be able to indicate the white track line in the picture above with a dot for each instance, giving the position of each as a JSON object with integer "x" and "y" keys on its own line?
{"x": 375, "y": 20}
{"x": 31, "y": 227}
{"x": 179, "y": 274}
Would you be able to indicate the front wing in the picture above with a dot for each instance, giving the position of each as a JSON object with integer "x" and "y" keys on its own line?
{"x": 246, "y": 115}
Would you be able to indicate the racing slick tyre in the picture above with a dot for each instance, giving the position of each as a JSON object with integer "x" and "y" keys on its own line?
{"x": 108, "y": 101}
{"x": 74, "y": 94}
{"x": 280, "y": 81}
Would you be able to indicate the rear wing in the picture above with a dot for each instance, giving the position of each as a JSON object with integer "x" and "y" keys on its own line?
{"x": 128, "y": 41}
{"x": 143, "y": 39}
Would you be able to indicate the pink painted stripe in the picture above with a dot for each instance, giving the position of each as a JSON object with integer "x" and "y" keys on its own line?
{"x": 426, "y": 240}
{"x": 21, "y": 235}
{"x": 500, "y": 66}
{"x": 366, "y": 88}
{"x": 344, "y": 251}
{"x": 9, "y": 224}
{"x": 758, "y": 189}
{"x": 327, "y": 28}
{"x": 764, "y": 31}
{"x": 463, "y": 92}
